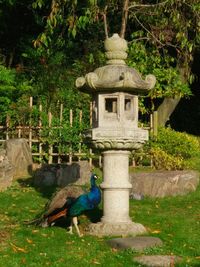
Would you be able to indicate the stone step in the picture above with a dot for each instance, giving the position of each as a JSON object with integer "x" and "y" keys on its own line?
{"x": 138, "y": 243}
{"x": 158, "y": 260}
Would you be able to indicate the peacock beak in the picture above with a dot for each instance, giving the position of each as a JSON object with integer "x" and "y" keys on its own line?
{"x": 95, "y": 176}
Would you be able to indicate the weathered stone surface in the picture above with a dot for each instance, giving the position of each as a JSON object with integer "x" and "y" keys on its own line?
{"x": 164, "y": 183}
{"x": 116, "y": 229}
{"x": 19, "y": 155}
{"x": 63, "y": 174}
{"x": 6, "y": 171}
{"x": 137, "y": 243}
{"x": 45, "y": 176}
{"x": 158, "y": 260}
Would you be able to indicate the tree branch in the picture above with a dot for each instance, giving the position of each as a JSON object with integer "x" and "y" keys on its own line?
{"x": 124, "y": 18}
{"x": 142, "y": 5}
{"x": 105, "y": 22}
{"x": 148, "y": 31}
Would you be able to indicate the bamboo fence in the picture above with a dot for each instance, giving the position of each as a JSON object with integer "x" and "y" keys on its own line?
{"x": 32, "y": 133}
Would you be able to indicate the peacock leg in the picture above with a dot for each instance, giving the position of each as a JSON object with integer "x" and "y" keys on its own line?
{"x": 75, "y": 222}
{"x": 70, "y": 231}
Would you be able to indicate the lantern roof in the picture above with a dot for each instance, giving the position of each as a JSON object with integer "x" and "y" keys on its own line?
{"x": 115, "y": 75}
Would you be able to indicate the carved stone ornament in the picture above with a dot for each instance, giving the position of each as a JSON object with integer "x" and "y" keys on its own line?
{"x": 103, "y": 144}
{"x": 116, "y": 75}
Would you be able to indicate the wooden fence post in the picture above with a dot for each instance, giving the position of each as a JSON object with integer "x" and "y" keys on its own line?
{"x": 90, "y": 150}
{"x": 80, "y": 121}
{"x": 30, "y": 122}
{"x": 7, "y": 126}
{"x": 155, "y": 124}
{"x": 71, "y": 122}
{"x": 61, "y": 119}
{"x": 50, "y": 158}
{"x": 40, "y": 129}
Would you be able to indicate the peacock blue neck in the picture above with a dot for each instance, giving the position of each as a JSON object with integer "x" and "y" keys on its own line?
{"x": 92, "y": 181}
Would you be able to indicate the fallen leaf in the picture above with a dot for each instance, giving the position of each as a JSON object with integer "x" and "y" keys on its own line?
{"x": 29, "y": 241}
{"x": 23, "y": 261}
{"x": 155, "y": 231}
{"x": 18, "y": 249}
{"x": 35, "y": 231}
{"x": 68, "y": 243}
{"x": 33, "y": 211}
{"x": 45, "y": 235}
{"x": 95, "y": 262}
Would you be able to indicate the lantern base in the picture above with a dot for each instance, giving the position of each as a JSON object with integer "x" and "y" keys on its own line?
{"x": 116, "y": 229}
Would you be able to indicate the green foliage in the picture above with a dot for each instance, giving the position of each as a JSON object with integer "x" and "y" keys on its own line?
{"x": 12, "y": 87}
{"x": 162, "y": 160}
{"x": 147, "y": 60}
{"x": 172, "y": 150}
{"x": 176, "y": 143}
{"x": 57, "y": 41}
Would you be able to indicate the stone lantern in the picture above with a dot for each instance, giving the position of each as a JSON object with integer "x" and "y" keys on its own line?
{"x": 115, "y": 89}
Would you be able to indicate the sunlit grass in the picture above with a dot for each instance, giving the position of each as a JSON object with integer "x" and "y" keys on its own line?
{"x": 175, "y": 220}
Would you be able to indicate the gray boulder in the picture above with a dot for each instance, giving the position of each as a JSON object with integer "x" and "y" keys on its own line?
{"x": 19, "y": 155}
{"x": 61, "y": 175}
{"x": 164, "y": 183}
{"x": 6, "y": 171}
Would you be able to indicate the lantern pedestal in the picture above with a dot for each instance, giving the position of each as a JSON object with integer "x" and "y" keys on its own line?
{"x": 116, "y": 187}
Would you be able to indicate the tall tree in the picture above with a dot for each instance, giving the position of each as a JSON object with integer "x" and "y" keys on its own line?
{"x": 164, "y": 34}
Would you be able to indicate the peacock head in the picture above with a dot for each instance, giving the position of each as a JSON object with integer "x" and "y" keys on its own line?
{"x": 94, "y": 176}
{"x": 93, "y": 179}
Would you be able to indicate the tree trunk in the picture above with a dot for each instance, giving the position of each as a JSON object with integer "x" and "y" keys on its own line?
{"x": 124, "y": 18}
{"x": 166, "y": 109}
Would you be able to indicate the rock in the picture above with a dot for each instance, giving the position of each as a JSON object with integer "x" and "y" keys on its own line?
{"x": 77, "y": 173}
{"x": 46, "y": 175}
{"x": 6, "y": 171}
{"x": 164, "y": 183}
{"x": 85, "y": 172}
{"x": 63, "y": 174}
{"x": 158, "y": 260}
{"x": 137, "y": 243}
{"x": 136, "y": 196}
{"x": 19, "y": 155}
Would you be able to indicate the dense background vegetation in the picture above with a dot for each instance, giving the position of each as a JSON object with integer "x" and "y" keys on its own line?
{"x": 46, "y": 45}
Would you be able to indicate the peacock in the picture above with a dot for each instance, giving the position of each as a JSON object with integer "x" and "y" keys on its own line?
{"x": 71, "y": 207}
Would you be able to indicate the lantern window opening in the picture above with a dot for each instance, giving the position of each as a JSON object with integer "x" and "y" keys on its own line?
{"x": 111, "y": 105}
{"x": 127, "y": 104}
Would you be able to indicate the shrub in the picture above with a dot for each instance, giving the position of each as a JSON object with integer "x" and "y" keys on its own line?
{"x": 177, "y": 144}
{"x": 162, "y": 160}
{"x": 172, "y": 150}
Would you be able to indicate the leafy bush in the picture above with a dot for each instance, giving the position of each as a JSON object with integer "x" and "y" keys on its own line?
{"x": 162, "y": 160}
{"x": 176, "y": 144}
{"x": 172, "y": 150}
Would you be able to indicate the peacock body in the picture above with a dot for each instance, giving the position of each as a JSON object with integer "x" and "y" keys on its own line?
{"x": 68, "y": 206}
{"x": 86, "y": 201}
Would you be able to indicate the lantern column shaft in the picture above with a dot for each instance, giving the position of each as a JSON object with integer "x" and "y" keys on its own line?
{"x": 116, "y": 187}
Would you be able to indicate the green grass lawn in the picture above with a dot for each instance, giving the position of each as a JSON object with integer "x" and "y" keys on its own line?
{"x": 175, "y": 220}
